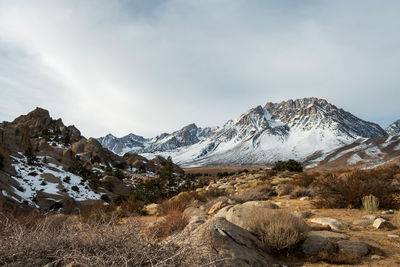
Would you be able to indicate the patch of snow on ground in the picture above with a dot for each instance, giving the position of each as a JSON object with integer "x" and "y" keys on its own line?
{"x": 31, "y": 183}
{"x": 354, "y": 159}
{"x": 373, "y": 152}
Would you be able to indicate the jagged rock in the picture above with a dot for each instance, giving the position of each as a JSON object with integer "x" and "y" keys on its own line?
{"x": 381, "y": 223}
{"x": 353, "y": 248}
{"x": 315, "y": 244}
{"x": 333, "y": 223}
{"x": 221, "y": 240}
{"x": 116, "y": 186}
{"x": 68, "y": 154}
{"x": 44, "y": 146}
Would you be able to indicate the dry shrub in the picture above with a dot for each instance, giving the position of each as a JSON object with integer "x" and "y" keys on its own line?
{"x": 60, "y": 238}
{"x": 268, "y": 175}
{"x": 249, "y": 196}
{"x": 174, "y": 221}
{"x": 278, "y": 230}
{"x": 130, "y": 207}
{"x": 179, "y": 202}
{"x": 285, "y": 189}
{"x": 95, "y": 213}
{"x": 211, "y": 193}
{"x": 348, "y": 189}
{"x": 301, "y": 192}
{"x": 305, "y": 179}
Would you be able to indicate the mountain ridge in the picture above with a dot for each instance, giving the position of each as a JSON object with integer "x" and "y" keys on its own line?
{"x": 278, "y": 131}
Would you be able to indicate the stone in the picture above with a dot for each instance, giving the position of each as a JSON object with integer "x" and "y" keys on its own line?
{"x": 303, "y": 214}
{"x": 151, "y": 209}
{"x": 217, "y": 206}
{"x": 304, "y": 198}
{"x": 333, "y": 223}
{"x": 363, "y": 222}
{"x": 193, "y": 211}
{"x": 353, "y": 248}
{"x": 393, "y": 236}
{"x": 219, "y": 239}
{"x": 388, "y": 212}
{"x": 315, "y": 244}
{"x": 381, "y": 223}
{"x": 222, "y": 212}
{"x": 329, "y": 235}
{"x": 376, "y": 257}
{"x": 116, "y": 186}
{"x": 239, "y": 214}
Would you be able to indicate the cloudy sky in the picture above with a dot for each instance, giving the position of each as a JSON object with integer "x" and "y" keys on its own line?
{"x": 154, "y": 66}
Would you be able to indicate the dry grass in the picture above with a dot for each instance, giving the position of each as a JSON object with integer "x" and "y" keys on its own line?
{"x": 249, "y": 196}
{"x": 370, "y": 203}
{"x": 301, "y": 192}
{"x": 33, "y": 240}
{"x": 347, "y": 190}
{"x": 278, "y": 230}
{"x": 174, "y": 221}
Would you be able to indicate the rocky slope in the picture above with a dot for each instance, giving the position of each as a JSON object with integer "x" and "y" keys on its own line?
{"x": 364, "y": 153}
{"x": 297, "y": 129}
{"x": 50, "y": 166}
{"x": 394, "y": 128}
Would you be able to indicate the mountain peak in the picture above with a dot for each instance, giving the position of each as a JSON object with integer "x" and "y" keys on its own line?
{"x": 394, "y": 128}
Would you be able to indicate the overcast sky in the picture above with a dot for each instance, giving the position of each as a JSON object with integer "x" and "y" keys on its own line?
{"x": 154, "y": 66}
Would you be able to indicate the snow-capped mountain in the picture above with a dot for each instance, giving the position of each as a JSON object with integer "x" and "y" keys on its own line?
{"x": 394, "y": 128}
{"x": 298, "y": 129}
{"x": 188, "y": 135}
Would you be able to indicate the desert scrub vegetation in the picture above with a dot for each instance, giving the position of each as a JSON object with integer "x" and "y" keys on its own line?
{"x": 174, "y": 221}
{"x": 278, "y": 230}
{"x": 35, "y": 240}
{"x": 346, "y": 190}
{"x": 370, "y": 203}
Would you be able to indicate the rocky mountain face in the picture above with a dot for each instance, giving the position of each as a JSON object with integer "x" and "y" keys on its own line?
{"x": 298, "y": 129}
{"x": 131, "y": 143}
{"x": 394, "y": 128}
{"x": 50, "y": 166}
{"x": 364, "y": 153}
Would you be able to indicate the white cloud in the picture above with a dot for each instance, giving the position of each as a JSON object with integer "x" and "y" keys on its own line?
{"x": 120, "y": 67}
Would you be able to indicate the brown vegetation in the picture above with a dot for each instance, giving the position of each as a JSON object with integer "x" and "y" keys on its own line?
{"x": 347, "y": 190}
{"x": 278, "y": 230}
{"x": 32, "y": 240}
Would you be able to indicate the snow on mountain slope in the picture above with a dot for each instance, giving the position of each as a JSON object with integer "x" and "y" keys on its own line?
{"x": 188, "y": 135}
{"x": 394, "y": 128}
{"x": 294, "y": 129}
{"x": 365, "y": 153}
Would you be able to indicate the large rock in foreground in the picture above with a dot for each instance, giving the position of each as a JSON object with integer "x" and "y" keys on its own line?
{"x": 219, "y": 240}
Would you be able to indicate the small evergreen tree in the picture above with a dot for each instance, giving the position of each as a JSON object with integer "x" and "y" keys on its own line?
{"x": 30, "y": 156}
{"x": 290, "y": 165}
